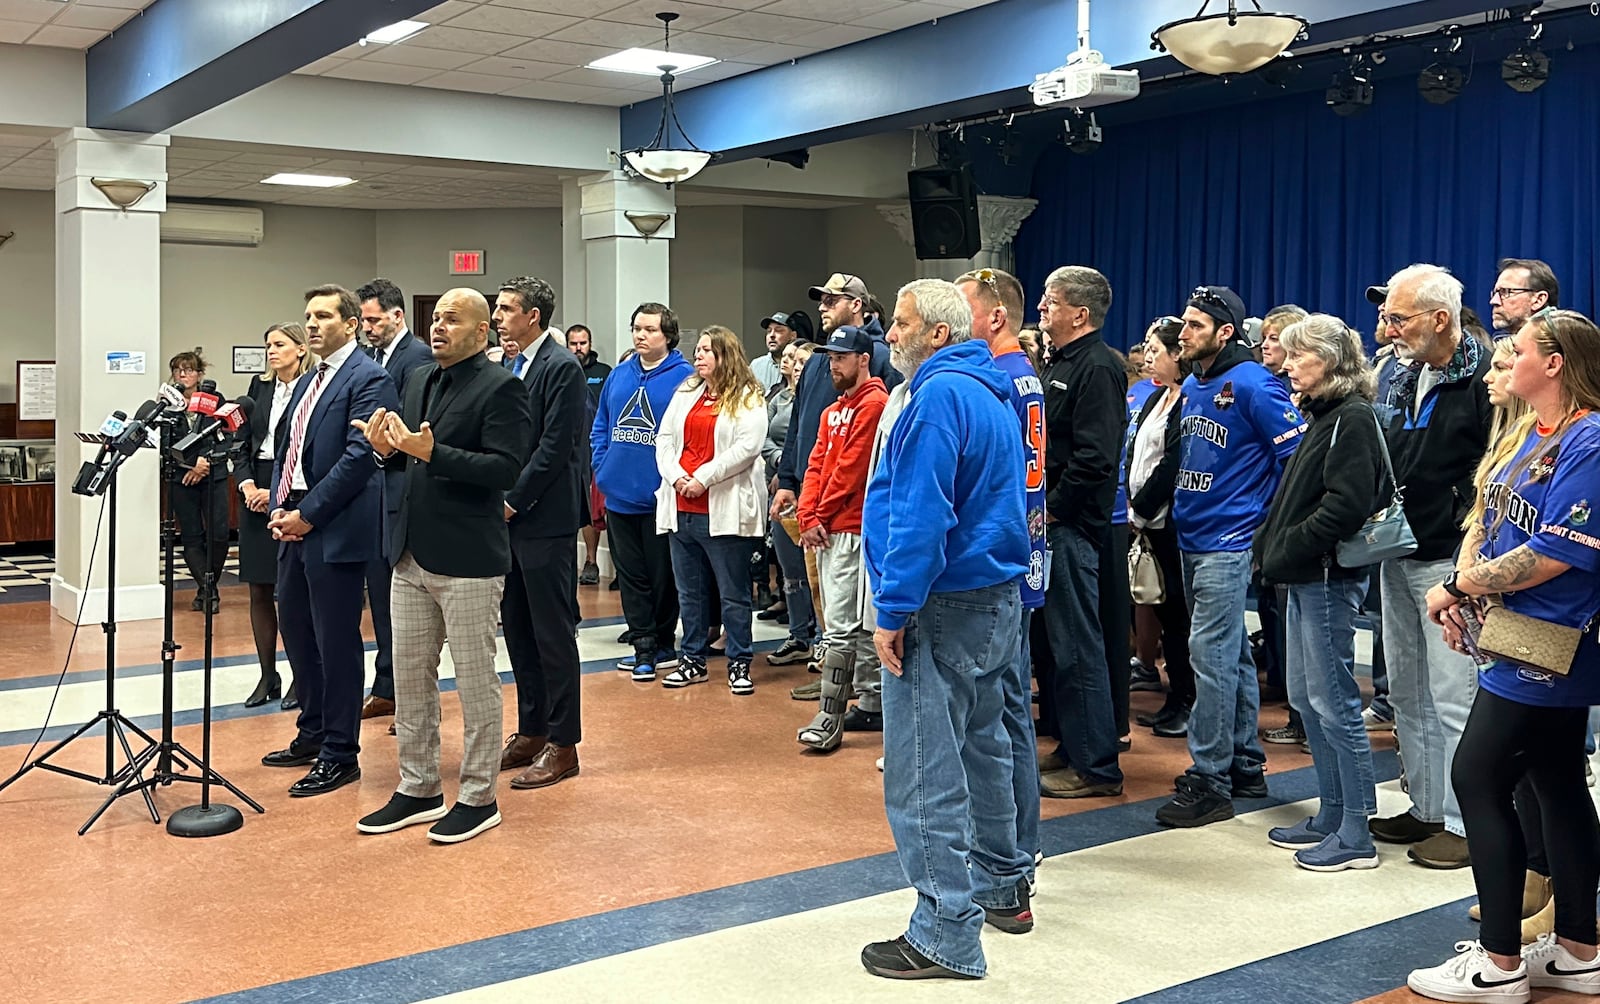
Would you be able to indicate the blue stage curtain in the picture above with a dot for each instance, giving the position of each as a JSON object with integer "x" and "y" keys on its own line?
{"x": 1286, "y": 202}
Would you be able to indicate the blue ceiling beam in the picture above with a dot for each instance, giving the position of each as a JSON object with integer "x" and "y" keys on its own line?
{"x": 182, "y": 57}
{"x": 967, "y": 64}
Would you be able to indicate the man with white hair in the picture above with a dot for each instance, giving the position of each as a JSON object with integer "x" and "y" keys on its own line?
{"x": 1436, "y": 437}
{"x": 947, "y": 547}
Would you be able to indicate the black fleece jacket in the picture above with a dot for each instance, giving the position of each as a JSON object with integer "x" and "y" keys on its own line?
{"x": 1329, "y": 488}
{"x": 1086, "y": 416}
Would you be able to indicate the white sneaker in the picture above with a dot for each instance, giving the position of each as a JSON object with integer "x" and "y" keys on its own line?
{"x": 1551, "y": 965}
{"x": 880, "y": 765}
{"x": 1472, "y": 977}
{"x": 1374, "y": 722}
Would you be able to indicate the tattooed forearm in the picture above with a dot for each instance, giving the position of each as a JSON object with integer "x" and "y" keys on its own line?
{"x": 1512, "y": 570}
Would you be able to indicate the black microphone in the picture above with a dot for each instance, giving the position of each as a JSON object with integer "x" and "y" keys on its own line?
{"x": 110, "y": 429}
{"x": 228, "y": 418}
{"x": 134, "y": 435}
{"x": 93, "y": 478}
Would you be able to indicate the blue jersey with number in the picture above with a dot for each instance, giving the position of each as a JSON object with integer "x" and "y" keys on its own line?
{"x": 1027, "y": 396}
{"x": 1551, "y": 507}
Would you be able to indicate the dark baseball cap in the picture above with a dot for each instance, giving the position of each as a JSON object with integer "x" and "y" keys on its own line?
{"x": 1377, "y": 295}
{"x": 776, "y": 318}
{"x": 1221, "y": 304}
{"x": 842, "y": 284}
{"x": 848, "y": 339}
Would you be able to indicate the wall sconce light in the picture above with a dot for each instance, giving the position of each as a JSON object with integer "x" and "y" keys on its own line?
{"x": 5, "y": 237}
{"x": 648, "y": 224}
{"x": 124, "y": 193}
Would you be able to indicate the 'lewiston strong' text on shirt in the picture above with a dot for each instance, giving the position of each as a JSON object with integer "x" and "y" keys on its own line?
{"x": 1238, "y": 428}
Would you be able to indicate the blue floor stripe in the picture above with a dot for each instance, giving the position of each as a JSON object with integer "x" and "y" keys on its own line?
{"x": 555, "y": 946}
{"x": 231, "y": 712}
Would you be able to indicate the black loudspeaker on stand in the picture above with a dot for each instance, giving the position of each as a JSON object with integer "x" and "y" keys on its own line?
{"x": 944, "y": 213}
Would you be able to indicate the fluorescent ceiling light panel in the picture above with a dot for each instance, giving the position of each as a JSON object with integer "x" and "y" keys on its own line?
{"x": 307, "y": 180}
{"x": 396, "y": 32}
{"x": 649, "y": 62}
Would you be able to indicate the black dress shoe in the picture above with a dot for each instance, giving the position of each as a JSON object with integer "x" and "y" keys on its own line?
{"x": 325, "y": 776}
{"x": 856, "y": 720}
{"x": 269, "y": 689}
{"x": 1169, "y": 710}
{"x": 199, "y": 601}
{"x": 290, "y": 701}
{"x": 1175, "y": 727}
{"x": 897, "y": 960}
{"x": 297, "y": 755}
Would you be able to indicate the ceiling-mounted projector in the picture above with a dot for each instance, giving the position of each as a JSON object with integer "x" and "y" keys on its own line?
{"x": 1086, "y": 81}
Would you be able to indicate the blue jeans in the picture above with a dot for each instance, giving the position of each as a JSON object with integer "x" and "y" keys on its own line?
{"x": 1322, "y": 686}
{"x": 947, "y": 769}
{"x": 1080, "y": 682}
{"x": 1373, "y": 605}
{"x": 1024, "y": 745}
{"x": 796, "y": 585}
{"x": 699, "y": 558}
{"x": 1227, "y": 698}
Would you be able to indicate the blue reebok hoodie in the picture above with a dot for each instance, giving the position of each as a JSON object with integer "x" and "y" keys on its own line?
{"x": 945, "y": 509}
{"x": 623, "y": 437}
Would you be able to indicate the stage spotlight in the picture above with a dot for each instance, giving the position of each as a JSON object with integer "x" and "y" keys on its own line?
{"x": 1351, "y": 93}
{"x": 1440, "y": 83}
{"x": 1526, "y": 69}
{"x": 1081, "y": 133}
{"x": 1282, "y": 71}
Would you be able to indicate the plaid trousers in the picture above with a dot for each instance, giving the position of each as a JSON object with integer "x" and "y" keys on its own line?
{"x": 426, "y": 609}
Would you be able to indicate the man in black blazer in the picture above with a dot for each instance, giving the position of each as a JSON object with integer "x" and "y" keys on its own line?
{"x": 399, "y": 352}
{"x": 451, "y": 551}
{"x": 327, "y": 504}
{"x": 545, "y": 509}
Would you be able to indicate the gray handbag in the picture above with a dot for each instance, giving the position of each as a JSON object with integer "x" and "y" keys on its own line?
{"x": 1385, "y": 534}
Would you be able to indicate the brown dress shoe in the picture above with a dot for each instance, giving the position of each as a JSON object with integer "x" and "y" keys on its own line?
{"x": 520, "y": 751}
{"x": 554, "y": 763}
{"x": 376, "y": 707}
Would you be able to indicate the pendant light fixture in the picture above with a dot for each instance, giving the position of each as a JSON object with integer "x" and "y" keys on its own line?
{"x": 1234, "y": 42}
{"x": 658, "y": 160}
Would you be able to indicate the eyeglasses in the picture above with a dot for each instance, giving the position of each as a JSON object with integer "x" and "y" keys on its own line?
{"x": 185, "y": 369}
{"x": 1397, "y": 320}
{"x": 1506, "y": 292}
{"x": 985, "y": 276}
{"x": 1167, "y": 321}
{"x": 1205, "y": 295}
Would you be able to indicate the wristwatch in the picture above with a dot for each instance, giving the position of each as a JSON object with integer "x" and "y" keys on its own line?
{"x": 1453, "y": 589}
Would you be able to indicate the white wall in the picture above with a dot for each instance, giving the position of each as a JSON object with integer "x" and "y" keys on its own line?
{"x": 220, "y": 297}
{"x": 413, "y": 248}
{"x": 785, "y": 254}
{"x": 862, "y": 242}
{"x": 27, "y": 283}
{"x": 707, "y": 263}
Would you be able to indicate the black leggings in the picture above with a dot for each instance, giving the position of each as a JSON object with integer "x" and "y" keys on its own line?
{"x": 1503, "y": 743}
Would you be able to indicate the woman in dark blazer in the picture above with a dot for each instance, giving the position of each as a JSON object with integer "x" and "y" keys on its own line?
{"x": 1152, "y": 476}
{"x": 1328, "y": 490}
{"x": 257, "y": 442}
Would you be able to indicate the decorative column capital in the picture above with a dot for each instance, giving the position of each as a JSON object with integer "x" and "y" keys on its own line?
{"x": 899, "y": 216}
{"x": 999, "y": 218}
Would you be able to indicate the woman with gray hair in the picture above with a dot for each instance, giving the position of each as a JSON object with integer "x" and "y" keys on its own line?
{"x": 1330, "y": 487}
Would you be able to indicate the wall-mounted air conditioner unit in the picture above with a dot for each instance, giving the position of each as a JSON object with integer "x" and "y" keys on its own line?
{"x": 192, "y": 223}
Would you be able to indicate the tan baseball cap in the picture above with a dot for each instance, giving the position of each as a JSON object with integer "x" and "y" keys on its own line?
{"x": 842, "y": 284}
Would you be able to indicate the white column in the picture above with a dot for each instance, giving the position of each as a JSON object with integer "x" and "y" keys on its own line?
{"x": 999, "y": 217}
{"x": 623, "y": 267}
{"x": 108, "y": 300}
{"x": 573, "y": 306}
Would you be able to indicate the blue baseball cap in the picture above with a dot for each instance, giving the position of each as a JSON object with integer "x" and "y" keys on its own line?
{"x": 847, "y": 339}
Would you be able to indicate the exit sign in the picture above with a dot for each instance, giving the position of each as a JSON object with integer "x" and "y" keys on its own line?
{"x": 466, "y": 263}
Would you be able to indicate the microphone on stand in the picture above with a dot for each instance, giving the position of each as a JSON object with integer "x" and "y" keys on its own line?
{"x": 227, "y": 419}
{"x": 204, "y": 400}
{"x": 110, "y": 429}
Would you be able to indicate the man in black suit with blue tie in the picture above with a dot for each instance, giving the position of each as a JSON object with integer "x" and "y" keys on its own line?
{"x": 545, "y": 509}
{"x": 327, "y": 512}
{"x": 398, "y": 351}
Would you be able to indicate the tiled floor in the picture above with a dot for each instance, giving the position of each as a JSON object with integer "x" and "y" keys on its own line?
{"x": 700, "y": 856}
{"x": 25, "y": 577}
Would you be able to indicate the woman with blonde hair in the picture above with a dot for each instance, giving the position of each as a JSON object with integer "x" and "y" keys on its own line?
{"x": 713, "y": 500}
{"x": 255, "y": 444}
{"x": 1534, "y": 547}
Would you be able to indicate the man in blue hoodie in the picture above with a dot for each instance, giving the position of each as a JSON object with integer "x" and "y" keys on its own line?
{"x": 1238, "y": 429}
{"x": 623, "y": 445}
{"x": 946, "y": 542}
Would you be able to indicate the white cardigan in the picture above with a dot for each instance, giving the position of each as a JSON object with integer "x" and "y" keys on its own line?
{"x": 735, "y": 478}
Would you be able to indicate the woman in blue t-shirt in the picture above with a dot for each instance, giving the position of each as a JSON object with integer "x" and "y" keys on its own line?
{"x": 1534, "y": 548}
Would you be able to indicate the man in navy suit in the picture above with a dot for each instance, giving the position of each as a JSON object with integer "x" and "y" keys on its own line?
{"x": 327, "y": 509}
{"x": 398, "y": 351}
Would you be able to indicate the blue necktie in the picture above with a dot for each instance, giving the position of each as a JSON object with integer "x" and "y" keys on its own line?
{"x": 516, "y": 367}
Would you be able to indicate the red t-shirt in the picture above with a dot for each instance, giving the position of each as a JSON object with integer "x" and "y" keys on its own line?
{"x": 699, "y": 446}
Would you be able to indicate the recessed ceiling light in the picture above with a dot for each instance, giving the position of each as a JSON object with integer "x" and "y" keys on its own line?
{"x": 308, "y": 180}
{"x": 649, "y": 62}
{"x": 396, "y": 32}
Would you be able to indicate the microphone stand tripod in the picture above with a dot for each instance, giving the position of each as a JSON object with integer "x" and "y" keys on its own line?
{"x": 117, "y": 724}
{"x": 207, "y": 820}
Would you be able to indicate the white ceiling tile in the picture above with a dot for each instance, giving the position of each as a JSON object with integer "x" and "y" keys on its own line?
{"x": 480, "y": 83}
{"x": 510, "y": 21}
{"x": 461, "y": 40}
{"x": 383, "y": 73}
{"x": 613, "y": 99}
{"x": 544, "y": 90}
{"x": 902, "y": 16}
{"x": 516, "y": 69}
{"x": 609, "y": 80}
{"x": 67, "y": 38}
{"x": 81, "y": 16}
{"x": 834, "y": 36}
{"x": 715, "y": 46}
{"x": 772, "y": 53}
{"x": 32, "y": 11}
{"x": 836, "y": 11}
{"x": 322, "y": 65}
{"x": 612, "y": 34}
{"x": 691, "y": 16}
{"x": 124, "y": 4}
{"x": 582, "y": 8}
{"x": 16, "y": 31}
{"x": 764, "y": 27}
{"x": 417, "y": 55}
{"x": 561, "y": 53}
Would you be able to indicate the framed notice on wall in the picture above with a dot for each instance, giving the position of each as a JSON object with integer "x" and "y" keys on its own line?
{"x": 36, "y": 391}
